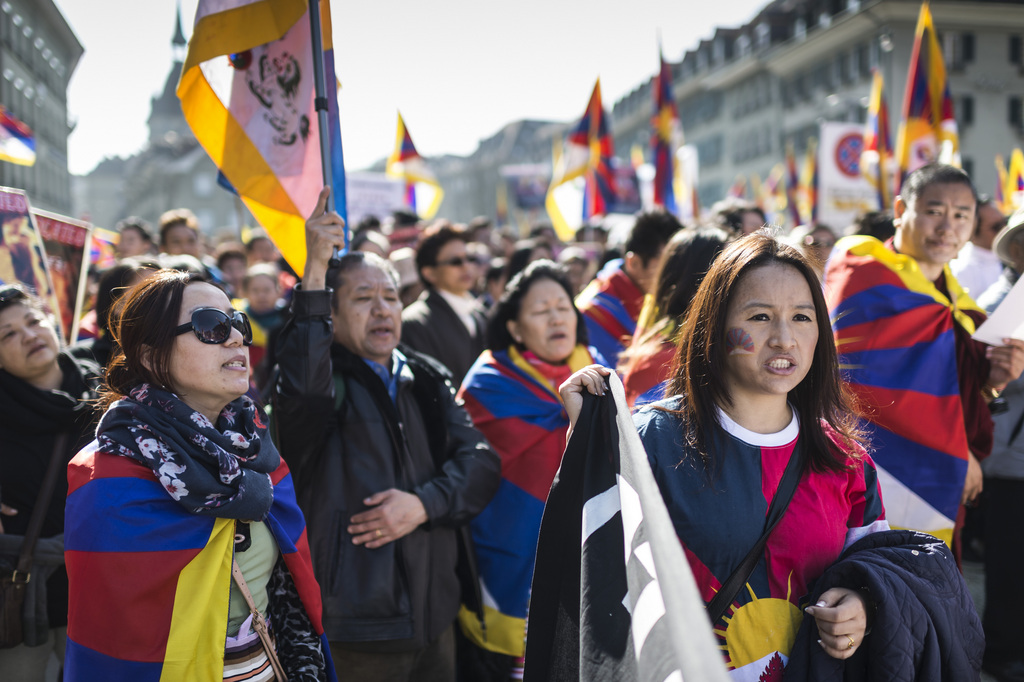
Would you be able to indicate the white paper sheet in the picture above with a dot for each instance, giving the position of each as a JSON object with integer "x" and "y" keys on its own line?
{"x": 1006, "y": 321}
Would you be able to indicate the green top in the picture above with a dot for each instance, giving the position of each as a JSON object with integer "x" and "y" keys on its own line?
{"x": 256, "y": 563}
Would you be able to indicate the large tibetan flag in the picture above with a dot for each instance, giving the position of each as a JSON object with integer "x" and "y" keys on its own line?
{"x": 406, "y": 163}
{"x": 792, "y": 185}
{"x": 587, "y": 153}
{"x": 876, "y": 156}
{"x": 517, "y": 407}
{"x": 133, "y": 552}
{"x": 927, "y": 130}
{"x": 666, "y": 138}
{"x": 895, "y": 334}
{"x": 809, "y": 184}
{"x": 1014, "y": 191}
{"x": 17, "y": 143}
{"x": 247, "y": 92}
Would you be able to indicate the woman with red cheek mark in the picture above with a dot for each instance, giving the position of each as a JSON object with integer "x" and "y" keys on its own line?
{"x": 769, "y": 436}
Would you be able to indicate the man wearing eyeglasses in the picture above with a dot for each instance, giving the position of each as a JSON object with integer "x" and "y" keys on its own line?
{"x": 447, "y": 322}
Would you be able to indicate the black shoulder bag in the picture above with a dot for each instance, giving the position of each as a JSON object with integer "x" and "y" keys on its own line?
{"x": 783, "y": 495}
{"x": 14, "y": 584}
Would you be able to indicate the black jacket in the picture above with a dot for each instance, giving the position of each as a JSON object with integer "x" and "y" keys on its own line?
{"x": 429, "y": 325}
{"x": 925, "y": 625}
{"x": 403, "y": 595}
{"x": 30, "y": 420}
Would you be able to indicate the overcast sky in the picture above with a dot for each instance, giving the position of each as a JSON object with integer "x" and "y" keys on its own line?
{"x": 458, "y": 70}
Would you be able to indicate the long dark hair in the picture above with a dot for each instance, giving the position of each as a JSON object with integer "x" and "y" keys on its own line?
{"x": 142, "y": 324}
{"x": 699, "y": 365}
{"x": 508, "y": 306}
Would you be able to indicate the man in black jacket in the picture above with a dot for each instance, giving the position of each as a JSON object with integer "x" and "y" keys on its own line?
{"x": 387, "y": 467}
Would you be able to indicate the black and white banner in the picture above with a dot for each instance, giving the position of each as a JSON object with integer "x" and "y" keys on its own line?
{"x": 613, "y": 596}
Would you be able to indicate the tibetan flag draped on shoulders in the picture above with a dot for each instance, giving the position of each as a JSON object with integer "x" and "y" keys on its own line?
{"x": 895, "y": 335}
{"x": 17, "y": 142}
{"x": 150, "y": 582}
{"x": 928, "y": 129}
{"x": 513, "y": 400}
{"x": 248, "y": 94}
{"x": 611, "y": 305}
{"x": 587, "y": 153}
{"x": 613, "y": 596}
{"x": 406, "y": 163}
{"x": 666, "y": 139}
{"x": 876, "y": 156}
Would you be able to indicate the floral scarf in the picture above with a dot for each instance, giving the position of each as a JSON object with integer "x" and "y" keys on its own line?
{"x": 221, "y": 470}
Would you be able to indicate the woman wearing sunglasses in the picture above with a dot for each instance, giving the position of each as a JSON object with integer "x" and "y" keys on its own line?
{"x": 183, "y": 537}
{"x": 44, "y": 413}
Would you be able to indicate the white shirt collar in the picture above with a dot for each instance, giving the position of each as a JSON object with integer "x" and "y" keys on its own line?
{"x": 763, "y": 440}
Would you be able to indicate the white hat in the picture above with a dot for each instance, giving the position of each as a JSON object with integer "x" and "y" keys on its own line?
{"x": 1002, "y": 242}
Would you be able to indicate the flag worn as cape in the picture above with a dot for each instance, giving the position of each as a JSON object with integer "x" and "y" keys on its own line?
{"x": 613, "y": 596}
{"x": 611, "y": 305}
{"x": 521, "y": 414}
{"x": 588, "y": 154}
{"x": 150, "y": 582}
{"x": 876, "y": 156}
{"x": 247, "y": 93}
{"x": 406, "y": 163}
{"x": 17, "y": 142}
{"x": 895, "y": 337}
{"x": 927, "y": 131}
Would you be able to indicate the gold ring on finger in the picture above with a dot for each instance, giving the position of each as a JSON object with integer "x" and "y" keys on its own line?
{"x": 380, "y": 534}
{"x": 852, "y": 642}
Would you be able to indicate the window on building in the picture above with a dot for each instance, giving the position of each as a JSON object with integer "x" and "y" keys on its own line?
{"x": 1016, "y": 114}
{"x": 1016, "y": 56}
{"x": 863, "y": 61}
{"x": 965, "y": 110}
{"x": 958, "y": 49}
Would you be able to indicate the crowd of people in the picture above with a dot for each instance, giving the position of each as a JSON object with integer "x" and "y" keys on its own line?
{"x": 340, "y": 473}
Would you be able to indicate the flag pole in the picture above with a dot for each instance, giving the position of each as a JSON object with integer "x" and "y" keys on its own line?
{"x": 320, "y": 104}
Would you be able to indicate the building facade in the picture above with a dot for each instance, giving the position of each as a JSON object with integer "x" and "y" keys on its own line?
{"x": 38, "y": 54}
{"x": 745, "y": 92}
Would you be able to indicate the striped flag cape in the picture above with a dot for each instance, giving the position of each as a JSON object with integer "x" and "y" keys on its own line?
{"x": 406, "y": 163}
{"x": 613, "y": 596}
{"x": 248, "y": 95}
{"x": 161, "y": 575}
{"x": 894, "y": 332}
{"x": 927, "y": 130}
{"x": 611, "y": 305}
{"x": 520, "y": 413}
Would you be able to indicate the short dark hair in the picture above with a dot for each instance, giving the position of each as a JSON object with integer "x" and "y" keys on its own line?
{"x": 433, "y": 239}
{"x": 521, "y": 255}
{"x": 699, "y": 364}
{"x": 18, "y": 294}
{"x": 877, "y": 224}
{"x": 934, "y": 174}
{"x": 508, "y": 306}
{"x": 143, "y": 325}
{"x": 650, "y": 233}
{"x": 228, "y": 252}
{"x": 175, "y": 218}
{"x": 114, "y": 283}
{"x": 136, "y": 223}
{"x": 357, "y": 259}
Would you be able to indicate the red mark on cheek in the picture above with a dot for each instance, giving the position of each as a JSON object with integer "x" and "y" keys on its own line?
{"x": 738, "y": 342}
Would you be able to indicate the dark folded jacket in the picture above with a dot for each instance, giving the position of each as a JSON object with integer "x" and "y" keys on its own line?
{"x": 925, "y": 625}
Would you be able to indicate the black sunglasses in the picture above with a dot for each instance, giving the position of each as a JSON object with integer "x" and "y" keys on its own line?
{"x": 213, "y": 326}
{"x": 458, "y": 261}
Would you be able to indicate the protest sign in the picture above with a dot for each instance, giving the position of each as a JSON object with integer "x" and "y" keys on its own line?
{"x": 22, "y": 258}
{"x": 64, "y": 241}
